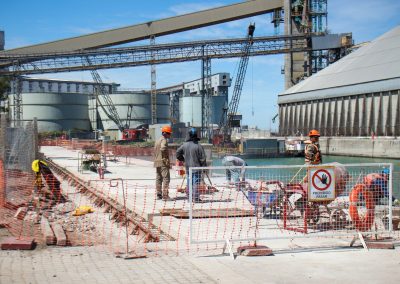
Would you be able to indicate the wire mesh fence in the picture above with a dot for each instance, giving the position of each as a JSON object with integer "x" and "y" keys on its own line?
{"x": 286, "y": 202}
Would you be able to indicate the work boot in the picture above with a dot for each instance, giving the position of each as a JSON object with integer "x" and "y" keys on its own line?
{"x": 159, "y": 195}
{"x": 166, "y": 198}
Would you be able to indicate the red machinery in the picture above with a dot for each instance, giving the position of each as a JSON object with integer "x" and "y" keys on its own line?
{"x": 134, "y": 134}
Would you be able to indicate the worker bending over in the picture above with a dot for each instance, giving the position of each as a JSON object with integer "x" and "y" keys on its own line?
{"x": 237, "y": 174}
{"x": 312, "y": 151}
{"x": 378, "y": 184}
{"x": 192, "y": 153}
{"x": 162, "y": 164}
{"x": 41, "y": 169}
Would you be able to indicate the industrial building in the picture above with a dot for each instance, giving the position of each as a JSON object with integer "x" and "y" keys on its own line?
{"x": 66, "y": 104}
{"x": 187, "y": 97}
{"x": 133, "y": 107}
{"x": 57, "y": 104}
{"x": 358, "y": 95}
{"x": 305, "y": 42}
{"x": 2, "y": 41}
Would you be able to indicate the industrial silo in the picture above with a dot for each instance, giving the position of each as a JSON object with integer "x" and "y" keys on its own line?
{"x": 136, "y": 105}
{"x": 190, "y": 110}
{"x": 2, "y": 40}
{"x": 54, "y": 111}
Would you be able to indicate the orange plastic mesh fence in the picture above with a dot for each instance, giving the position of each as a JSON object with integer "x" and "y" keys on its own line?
{"x": 125, "y": 215}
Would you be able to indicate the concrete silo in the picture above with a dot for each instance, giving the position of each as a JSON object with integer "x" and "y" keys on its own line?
{"x": 55, "y": 111}
{"x": 136, "y": 105}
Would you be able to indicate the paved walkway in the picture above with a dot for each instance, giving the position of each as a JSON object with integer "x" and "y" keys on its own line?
{"x": 89, "y": 265}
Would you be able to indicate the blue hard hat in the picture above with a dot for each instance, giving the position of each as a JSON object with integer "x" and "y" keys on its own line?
{"x": 386, "y": 171}
{"x": 192, "y": 132}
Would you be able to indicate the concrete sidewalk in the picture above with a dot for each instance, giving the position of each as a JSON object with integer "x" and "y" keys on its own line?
{"x": 89, "y": 265}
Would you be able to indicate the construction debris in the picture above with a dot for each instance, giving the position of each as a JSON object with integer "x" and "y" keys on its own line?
{"x": 13, "y": 243}
{"x": 21, "y": 212}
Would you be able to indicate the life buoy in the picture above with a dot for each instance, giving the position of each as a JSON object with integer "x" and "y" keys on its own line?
{"x": 364, "y": 223}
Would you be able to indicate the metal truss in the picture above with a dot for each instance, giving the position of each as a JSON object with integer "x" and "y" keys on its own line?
{"x": 146, "y": 55}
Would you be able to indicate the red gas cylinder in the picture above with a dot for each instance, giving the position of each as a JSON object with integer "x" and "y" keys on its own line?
{"x": 180, "y": 169}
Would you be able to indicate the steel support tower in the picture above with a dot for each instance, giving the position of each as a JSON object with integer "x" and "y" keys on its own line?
{"x": 153, "y": 82}
{"x": 205, "y": 95}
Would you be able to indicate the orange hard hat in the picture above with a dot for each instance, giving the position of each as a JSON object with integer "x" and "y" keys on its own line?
{"x": 166, "y": 129}
{"x": 314, "y": 133}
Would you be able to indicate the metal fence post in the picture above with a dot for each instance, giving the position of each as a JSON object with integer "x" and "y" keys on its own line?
{"x": 189, "y": 179}
{"x": 3, "y": 125}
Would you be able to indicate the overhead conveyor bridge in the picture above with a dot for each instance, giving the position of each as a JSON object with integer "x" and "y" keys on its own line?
{"x": 23, "y": 64}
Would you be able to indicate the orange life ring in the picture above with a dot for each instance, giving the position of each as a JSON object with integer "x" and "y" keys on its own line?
{"x": 365, "y": 223}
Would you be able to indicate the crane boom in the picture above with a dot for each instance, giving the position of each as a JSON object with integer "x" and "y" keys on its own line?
{"x": 105, "y": 102}
{"x": 230, "y": 112}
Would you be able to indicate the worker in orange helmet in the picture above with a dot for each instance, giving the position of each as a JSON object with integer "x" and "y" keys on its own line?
{"x": 312, "y": 151}
{"x": 162, "y": 164}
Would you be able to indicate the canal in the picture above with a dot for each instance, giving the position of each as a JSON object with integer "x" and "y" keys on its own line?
{"x": 329, "y": 159}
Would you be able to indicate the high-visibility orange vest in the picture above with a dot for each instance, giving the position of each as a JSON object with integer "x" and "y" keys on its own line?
{"x": 313, "y": 160}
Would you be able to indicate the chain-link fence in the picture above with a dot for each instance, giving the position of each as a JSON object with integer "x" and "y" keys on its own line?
{"x": 18, "y": 149}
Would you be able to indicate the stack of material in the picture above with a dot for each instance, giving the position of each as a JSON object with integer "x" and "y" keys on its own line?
{"x": 208, "y": 213}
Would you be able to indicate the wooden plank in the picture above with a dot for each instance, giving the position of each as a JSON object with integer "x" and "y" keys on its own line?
{"x": 47, "y": 232}
{"x": 254, "y": 251}
{"x": 60, "y": 235}
{"x": 380, "y": 244}
{"x": 169, "y": 211}
{"x": 12, "y": 243}
{"x": 214, "y": 213}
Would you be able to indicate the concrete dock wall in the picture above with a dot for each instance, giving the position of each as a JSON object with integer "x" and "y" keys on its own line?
{"x": 380, "y": 147}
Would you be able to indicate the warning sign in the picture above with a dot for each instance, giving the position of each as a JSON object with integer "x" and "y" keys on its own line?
{"x": 321, "y": 183}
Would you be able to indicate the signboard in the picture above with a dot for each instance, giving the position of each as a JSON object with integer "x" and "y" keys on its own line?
{"x": 321, "y": 183}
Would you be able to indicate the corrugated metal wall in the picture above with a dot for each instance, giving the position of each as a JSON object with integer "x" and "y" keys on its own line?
{"x": 356, "y": 115}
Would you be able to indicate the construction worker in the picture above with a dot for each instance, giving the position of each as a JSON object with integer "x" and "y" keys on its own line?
{"x": 36, "y": 165}
{"x": 41, "y": 169}
{"x": 312, "y": 151}
{"x": 378, "y": 184}
{"x": 238, "y": 174}
{"x": 162, "y": 163}
{"x": 192, "y": 153}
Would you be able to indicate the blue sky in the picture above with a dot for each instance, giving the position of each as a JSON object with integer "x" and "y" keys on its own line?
{"x": 28, "y": 22}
